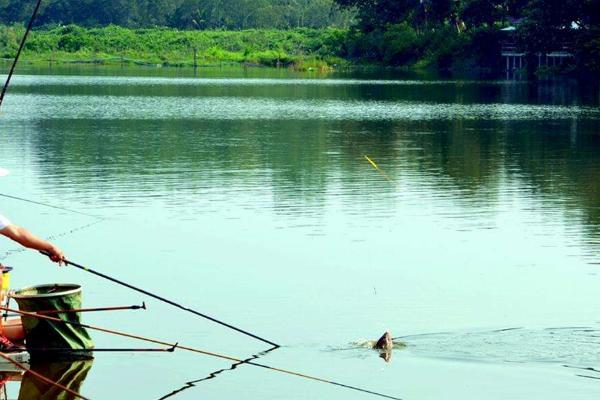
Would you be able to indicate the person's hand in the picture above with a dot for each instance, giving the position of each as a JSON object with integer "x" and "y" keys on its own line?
{"x": 56, "y": 255}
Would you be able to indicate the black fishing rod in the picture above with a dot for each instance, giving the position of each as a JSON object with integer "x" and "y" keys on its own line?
{"x": 81, "y": 310}
{"x": 14, "y": 64}
{"x": 97, "y": 309}
{"x": 164, "y": 300}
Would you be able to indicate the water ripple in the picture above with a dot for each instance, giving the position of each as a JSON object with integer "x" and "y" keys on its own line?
{"x": 35, "y": 80}
{"x": 47, "y": 107}
{"x": 576, "y": 346}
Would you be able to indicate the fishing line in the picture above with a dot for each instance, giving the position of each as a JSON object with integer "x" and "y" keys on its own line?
{"x": 422, "y": 334}
{"x": 170, "y": 302}
{"x": 164, "y": 300}
{"x": 77, "y": 229}
{"x": 8, "y": 253}
{"x": 49, "y": 205}
{"x": 14, "y": 64}
{"x": 199, "y": 351}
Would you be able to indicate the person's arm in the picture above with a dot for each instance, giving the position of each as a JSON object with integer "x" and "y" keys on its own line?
{"x": 28, "y": 239}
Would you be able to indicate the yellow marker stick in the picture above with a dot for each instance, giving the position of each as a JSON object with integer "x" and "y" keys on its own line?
{"x": 372, "y": 163}
{"x": 377, "y": 167}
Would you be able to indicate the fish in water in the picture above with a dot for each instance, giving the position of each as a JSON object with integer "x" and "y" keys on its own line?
{"x": 385, "y": 342}
{"x": 384, "y": 346}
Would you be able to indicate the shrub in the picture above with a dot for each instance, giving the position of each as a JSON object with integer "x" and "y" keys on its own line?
{"x": 9, "y": 41}
{"x": 442, "y": 47}
{"x": 484, "y": 48}
{"x": 400, "y": 44}
{"x": 73, "y": 38}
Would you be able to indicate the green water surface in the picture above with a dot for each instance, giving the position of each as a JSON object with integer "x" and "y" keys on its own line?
{"x": 246, "y": 194}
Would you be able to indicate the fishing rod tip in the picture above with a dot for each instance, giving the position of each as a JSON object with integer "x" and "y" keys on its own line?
{"x": 172, "y": 349}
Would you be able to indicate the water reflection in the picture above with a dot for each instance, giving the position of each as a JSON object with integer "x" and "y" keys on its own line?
{"x": 109, "y": 107}
{"x": 7, "y": 376}
{"x": 67, "y": 373}
{"x": 215, "y": 374}
{"x": 586, "y": 372}
{"x": 287, "y": 85}
{"x": 300, "y": 166}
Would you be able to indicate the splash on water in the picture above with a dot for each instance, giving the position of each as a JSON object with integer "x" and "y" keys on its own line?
{"x": 576, "y": 347}
{"x": 564, "y": 345}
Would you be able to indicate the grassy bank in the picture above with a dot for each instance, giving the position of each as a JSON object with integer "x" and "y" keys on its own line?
{"x": 476, "y": 51}
{"x": 300, "y": 48}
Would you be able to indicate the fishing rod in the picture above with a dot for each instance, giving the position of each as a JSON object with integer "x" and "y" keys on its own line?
{"x": 199, "y": 351}
{"x": 164, "y": 300}
{"x": 16, "y": 60}
{"x": 96, "y": 350}
{"x": 78, "y": 310}
{"x": 42, "y": 377}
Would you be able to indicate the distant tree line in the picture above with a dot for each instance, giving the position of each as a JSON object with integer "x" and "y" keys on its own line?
{"x": 541, "y": 17}
{"x": 446, "y": 31}
{"x": 445, "y": 34}
{"x": 183, "y": 14}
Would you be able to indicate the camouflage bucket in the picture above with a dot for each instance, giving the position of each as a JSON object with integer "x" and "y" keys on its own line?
{"x": 52, "y": 339}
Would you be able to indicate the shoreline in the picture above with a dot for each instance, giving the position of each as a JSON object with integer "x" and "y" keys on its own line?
{"x": 116, "y": 61}
{"x": 300, "y": 49}
{"x": 303, "y": 49}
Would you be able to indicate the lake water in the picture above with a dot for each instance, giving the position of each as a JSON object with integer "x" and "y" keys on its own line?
{"x": 246, "y": 194}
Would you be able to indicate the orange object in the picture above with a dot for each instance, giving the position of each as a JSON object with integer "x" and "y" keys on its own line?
{"x": 12, "y": 328}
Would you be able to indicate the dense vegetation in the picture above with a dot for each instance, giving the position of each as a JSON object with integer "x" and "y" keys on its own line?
{"x": 182, "y": 14}
{"x": 467, "y": 32}
{"x": 446, "y": 34}
{"x": 300, "y": 48}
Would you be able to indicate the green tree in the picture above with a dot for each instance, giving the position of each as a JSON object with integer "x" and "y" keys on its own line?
{"x": 548, "y": 23}
{"x": 188, "y": 14}
{"x": 376, "y": 14}
{"x": 400, "y": 44}
{"x": 481, "y": 12}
